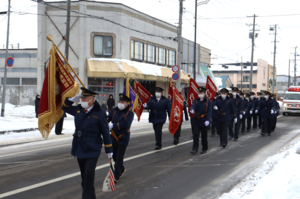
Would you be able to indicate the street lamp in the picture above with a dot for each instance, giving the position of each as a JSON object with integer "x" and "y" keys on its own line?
{"x": 197, "y": 3}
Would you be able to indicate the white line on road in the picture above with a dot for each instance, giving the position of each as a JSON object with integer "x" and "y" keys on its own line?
{"x": 10, "y": 193}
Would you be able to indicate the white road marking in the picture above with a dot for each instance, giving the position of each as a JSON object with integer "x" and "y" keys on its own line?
{"x": 10, "y": 193}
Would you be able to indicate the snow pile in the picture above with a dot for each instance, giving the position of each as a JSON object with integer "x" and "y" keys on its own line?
{"x": 26, "y": 110}
{"x": 277, "y": 178}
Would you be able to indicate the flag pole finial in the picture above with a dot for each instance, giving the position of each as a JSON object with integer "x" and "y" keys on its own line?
{"x": 49, "y": 37}
{"x": 189, "y": 75}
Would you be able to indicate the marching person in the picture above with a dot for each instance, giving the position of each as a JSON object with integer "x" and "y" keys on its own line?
{"x": 251, "y": 107}
{"x": 178, "y": 132}
{"x": 37, "y": 105}
{"x": 121, "y": 119}
{"x": 214, "y": 116}
{"x": 239, "y": 109}
{"x": 255, "y": 110}
{"x": 267, "y": 111}
{"x": 246, "y": 107}
{"x": 259, "y": 100}
{"x": 110, "y": 102}
{"x": 91, "y": 130}
{"x": 226, "y": 111}
{"x": 159, "y": 107}
{"x": 202, "y": 110}
{"x": 275, "y": 115}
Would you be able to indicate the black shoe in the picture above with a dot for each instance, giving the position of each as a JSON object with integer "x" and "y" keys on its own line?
{"x": 60, "y": 134}
{"x": 263, "y": 134}
{"x": 157, "y": 148}
{"x": 203, "y": 152}
{"x": 235, "y": 139}
{"x": 175, "y": 142}
{"x": 212, "y": 136}
{"x": 116, "y": 180}
{"x": 269, "y": 134}
{"x": 230, "y": 138}
{"x": 122, "y": 173}
{"x": 220, "y": 145}
{"x": 194, "y": 152}
{"x": 224, "y": 146}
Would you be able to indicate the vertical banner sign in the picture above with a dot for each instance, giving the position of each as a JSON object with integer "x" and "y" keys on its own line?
{"x": 176, "y": 112}
{"x": 193, "y": 93}
{"x": 170, "y": 91}
{"x": 211, "y": 89}
{"x": 143, "y": 96}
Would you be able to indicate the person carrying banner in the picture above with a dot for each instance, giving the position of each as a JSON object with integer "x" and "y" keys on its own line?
{"x": 202, "y": 110}
{"x": 91, "y": 130}
{"x": 226, "y": 111}
{"x": 215, "y": 117}
{"x": 239, "y": 108}
{"x": 267, "y": 112}
{"x": 158, "y": 106}
{"x": 178, "y": 132}
{"x": 121, "y": 119}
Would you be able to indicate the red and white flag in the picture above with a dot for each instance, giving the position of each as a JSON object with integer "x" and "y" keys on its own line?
{"x": 211, "y": 89}
{"x": 193, "y": 93}
{"x": 109, "y": 181}
{"x": 144, "y": 96}
{"x": 176, "y": 112}
{"x": 170, "y": 91}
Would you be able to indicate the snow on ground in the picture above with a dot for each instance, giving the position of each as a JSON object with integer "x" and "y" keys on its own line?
{"x": 277, "y": 178}
{"x": 26, "y": 110}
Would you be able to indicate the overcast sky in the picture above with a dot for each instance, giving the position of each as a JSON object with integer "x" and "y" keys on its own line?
{"x": 222, "y": 26}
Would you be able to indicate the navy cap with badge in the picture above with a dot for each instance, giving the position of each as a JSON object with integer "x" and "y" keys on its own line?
{"x": 235, "y": 89}
{"x": 217, "y": 94}
{"x": 259, "y": 93}
{"x": 241, "y": 93}
{"x": 86, "y": 92}
{"x": 201, "y": 89}
{"x": 159, "y": 89}
{"x": 252, "y": 93}
{"x": 247, "y": 95}
{"x": 267, "y": 93}
{"x": 124, "y": 98}
{"x": 224, "y": 90}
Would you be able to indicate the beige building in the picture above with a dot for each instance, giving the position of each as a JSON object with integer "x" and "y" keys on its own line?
{"x": 240, "y": 75}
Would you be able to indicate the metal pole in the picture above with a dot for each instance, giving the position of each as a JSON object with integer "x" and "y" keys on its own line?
{"x": 195, "y": 40}
{"x": 68, "y": 30}
{"x": 295, "y": 81}
{"x": 242, "y": 74}
{"x": 274, "y": 60}
{"x": 289, "y": 74}
{"x": 5, "y": 69}
{"x": 252, "y": 53}
{"x": 179, "y": 53}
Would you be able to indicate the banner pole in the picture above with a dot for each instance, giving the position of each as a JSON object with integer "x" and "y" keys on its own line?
{"x": 50, "y": 38}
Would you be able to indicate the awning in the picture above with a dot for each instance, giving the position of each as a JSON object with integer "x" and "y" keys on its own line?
{"x": 116, "y": 68}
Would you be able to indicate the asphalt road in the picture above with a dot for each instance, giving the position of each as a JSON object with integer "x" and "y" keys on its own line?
{"x": 46, "y": 169}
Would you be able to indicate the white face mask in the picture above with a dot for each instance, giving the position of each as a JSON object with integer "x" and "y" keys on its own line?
{"x": 158, "y": 95}
{"x": 247, "y": 99}
{"x": 234, "y": 93}
{"x": 121, "y": 106}
{"x": 85, "y": 105}
{"x": 200, "y": 96}
{"x": 223, "y": 96}
{"x": 258, "y": 97}
{"x": 252, "y": 97}
{"x": 266, "y": 96}
{"x": 215, "y": 97}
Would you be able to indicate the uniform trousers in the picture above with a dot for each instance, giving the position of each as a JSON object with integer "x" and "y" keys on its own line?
{"x": 158, "y": 133}
{"x": 243, "y": 124}
{"x": 237, "y": 126}
{"x": 259, "y": 121}
{"x": 178, "y": 132}
{"x": 87, "y": 169}
{"x": 59, "y": 126}
{"x": 230, "y": 128}
{"x": 196, "y": 133}
{"x": 214, "y": 126}
{"x": 274, "y": 122}
{"x": 118, "y": 156}
{"x": 223, "y": 126}
{"x": 249, "y": 120}
{"x": 267, "y": 125}
{"x": 254, "y": 120}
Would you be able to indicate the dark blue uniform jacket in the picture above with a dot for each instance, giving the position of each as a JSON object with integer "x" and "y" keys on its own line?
{"x": 225, "y": 109}
{"x": 251, "y": 107}
{"x": 201, "y": 108}
{"x": 267, "y": 106}
{"x": 238, "y": 106}
{"x": 158, "y": 110}
{"x": 90, "y": 128}
{"x": 122, "y": 120}
{"x": 246, "y": 107}
{"x": 258, "y": 105}
{"x": 215, "y": 114}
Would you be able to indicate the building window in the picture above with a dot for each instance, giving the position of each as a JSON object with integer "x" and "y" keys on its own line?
{"x": 11, "y": 81}
{"x": 191, "y": 68}
{"x": 246, "y": 78}
{"x": 137, "y": 51}
{"x": 103, "y": 86}
{"x": 103, "y": 46}
{"x": 149, "y": 53}
{"x": 171, "y": 57}
{"x": 160, "y": 56}
{"x": 29, "y": 81}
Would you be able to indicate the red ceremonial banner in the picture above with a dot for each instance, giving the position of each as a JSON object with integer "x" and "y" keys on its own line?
{"x": 170, "y": 91}
{"x": 211, "y": 89}
{"x": 193, "y": 94}
{"x": 176, "y": 112}
{"x": 58, "y": 84}
{"x": 144, "y": 94}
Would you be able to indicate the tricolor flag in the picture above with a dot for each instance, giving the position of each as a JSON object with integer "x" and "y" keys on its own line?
{"x": 129, "y": 92}
{"x": 109, "y": 181}
{"x": 58, "y": 84}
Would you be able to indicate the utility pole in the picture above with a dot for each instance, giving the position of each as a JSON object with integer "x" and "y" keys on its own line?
{"x": 195, "y": 40}
{"x": 289, "y": 79}
{"x": 242, "y": 74}
{"x": 68, "y": 30}
{"x": 179, "y": 53}
{"x": 295, "y": 70}
{"x": 5, "y": 67}
{"x": 252, "y": 52}
{"x": 274, "y": 60}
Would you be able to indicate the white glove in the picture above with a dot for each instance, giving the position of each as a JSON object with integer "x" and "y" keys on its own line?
{"x": 145, "y": 105}
{"x": 75, "y": 99}
{"x": 256, "y": 111}
{"x": 251, "y": 112}
{"x": 275, "y": 112}
{"x": 206, "y": 123}
{"x": 241, "y": 116}
{"x": 110, "y": 155}
{"x": 244, "y": 112}
{"x": 215, "y": 107}
{"x": 235, "y": 120}
{"x": 192, "y": 111}
{"x": 272, "y": 112}
{"x": 110, "y": 125}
